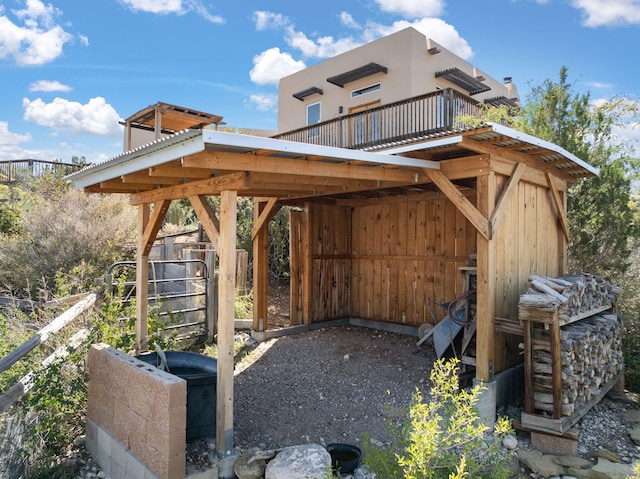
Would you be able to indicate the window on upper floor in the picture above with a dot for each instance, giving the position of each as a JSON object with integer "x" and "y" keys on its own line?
{"x": 313, "y": 113}
{"x": 365, "y": 90}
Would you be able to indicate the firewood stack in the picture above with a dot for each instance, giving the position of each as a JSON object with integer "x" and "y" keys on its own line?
{"x": 571, "y": 295}
{"x": 591, "y": 352}
{"x": 590, "y": 338}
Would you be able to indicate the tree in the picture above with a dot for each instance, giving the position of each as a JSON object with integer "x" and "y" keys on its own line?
{"x": 603, "y": 222}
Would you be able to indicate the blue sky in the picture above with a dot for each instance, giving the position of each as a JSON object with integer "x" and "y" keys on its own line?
{"x": 70, "y": 70}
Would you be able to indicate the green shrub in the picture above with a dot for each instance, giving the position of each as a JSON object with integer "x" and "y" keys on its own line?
{"x": 443, "y": 437}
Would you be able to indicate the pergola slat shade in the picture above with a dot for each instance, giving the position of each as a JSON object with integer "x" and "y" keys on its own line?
{"x": 301, "y": 95}
{"x": 356, "y": 74}
{"x": 463, "y": 80}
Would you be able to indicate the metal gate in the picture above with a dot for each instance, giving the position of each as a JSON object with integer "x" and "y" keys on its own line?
{"x": 178, "y": 293}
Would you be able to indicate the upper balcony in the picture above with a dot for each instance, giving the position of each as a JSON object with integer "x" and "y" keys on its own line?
{"x": 413, "y": 118}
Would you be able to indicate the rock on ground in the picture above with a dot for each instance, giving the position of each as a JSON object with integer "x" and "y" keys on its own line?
{"x": 310, "y": 461}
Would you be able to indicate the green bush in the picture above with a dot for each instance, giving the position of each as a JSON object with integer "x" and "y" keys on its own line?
{"x": 443, "y": 437}
{"x": 60, "y": 230}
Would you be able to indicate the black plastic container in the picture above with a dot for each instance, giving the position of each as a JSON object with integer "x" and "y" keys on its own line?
{"x": 201, "y": 373}
{"x": 344, "y": 457}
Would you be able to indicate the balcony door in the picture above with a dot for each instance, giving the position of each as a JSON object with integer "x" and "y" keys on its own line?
{"x": 365, "y": 124}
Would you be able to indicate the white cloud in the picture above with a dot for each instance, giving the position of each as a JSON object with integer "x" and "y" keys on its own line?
{"x": 9, "y": 138}
{"x": 596, "y": 84}
{"x": 264, "y": 102}
{"x": 434, "y": 28}
{"x": 323, "y": 47}
{"x": 272, "y": 64}
{"x": 266, "y": 20}
{"x": 412, "y": 8}
{"x": 598, "y": 13}
{"x": 347, "y": 20}
{"x": 96, "y": 117}
{"x": 49, "y": 85}
{"x": 39, "y": 40}
{"x": 84, "y": 40}
{"x": 167, "y": 7}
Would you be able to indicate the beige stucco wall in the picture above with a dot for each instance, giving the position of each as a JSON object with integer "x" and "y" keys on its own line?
{"x": 411, "y": 72}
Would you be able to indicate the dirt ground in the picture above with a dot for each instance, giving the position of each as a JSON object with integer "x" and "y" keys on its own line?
{"x": 324, "y": 386}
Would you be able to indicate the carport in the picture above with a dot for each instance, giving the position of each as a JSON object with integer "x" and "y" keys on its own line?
{"x": 379, "y": 234}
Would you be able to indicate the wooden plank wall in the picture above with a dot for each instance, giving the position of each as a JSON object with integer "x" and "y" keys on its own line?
{"x": 406, "y": 251}
{"x": 529, "y": 241}
{"x": 385, "y": 259}
{"x": 330, "y": 238}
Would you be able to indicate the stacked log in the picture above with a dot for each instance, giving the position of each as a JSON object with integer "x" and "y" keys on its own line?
{"x": 591, "y": 355}
{"x": 570, "y": 295}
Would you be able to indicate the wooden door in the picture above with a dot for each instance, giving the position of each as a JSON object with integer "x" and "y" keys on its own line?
{"x": 365, "y": 125}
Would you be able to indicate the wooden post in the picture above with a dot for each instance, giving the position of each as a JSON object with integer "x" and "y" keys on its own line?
{"x": 306, "y": 264}
{"x": 260, "y": 269}
{"x": 485, "y": 334}
{"x": 529, "y": 402}
{"x": 142, "y": 281}
{"x": 295, "y": 308}
{"x": 556, "y": 366}
{"x": 226, "y": 300}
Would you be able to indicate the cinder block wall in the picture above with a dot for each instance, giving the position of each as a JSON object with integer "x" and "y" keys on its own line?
{"x": 136, "y": 418}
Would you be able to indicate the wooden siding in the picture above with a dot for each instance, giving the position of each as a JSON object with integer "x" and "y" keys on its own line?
{"x": 330, "y": 244}
{"x": 528, "y": 241}
{"x": 386, "y": 259}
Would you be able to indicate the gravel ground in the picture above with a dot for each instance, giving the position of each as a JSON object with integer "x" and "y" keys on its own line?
{"x": 334, "y": 384}
{"x": 324, "y": 386}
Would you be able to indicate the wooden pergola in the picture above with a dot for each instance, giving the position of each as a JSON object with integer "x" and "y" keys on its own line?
{"x": 489, "y": 179}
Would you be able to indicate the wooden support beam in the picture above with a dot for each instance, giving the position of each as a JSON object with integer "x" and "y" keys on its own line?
{"x": 144, "y": 179}
{"x": 306, "y": 264}
{"x": 260, "y": 237}
{"x": 295, "y": 260}
{"x": 287, "y": 166}
{"x": 475, "y": 217}
{"x": 209, "y": 186}
{"x": 559, "y": 204}
{"x": 207, "y": 217}
{"x": 509, "y": 155}
{"x": 505, "y": 197}
{"x": 155, "y": 223}
{"x": 226, "y": 300}
{"x": 486, "y": 295}
{"x": 142, "y": 282}
{"x": 267, "y": 212}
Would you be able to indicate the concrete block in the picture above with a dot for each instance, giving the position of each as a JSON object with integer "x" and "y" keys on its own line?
{"x": 120, "y": 427}
{"x": 119, "y": 453}
{"x": 157, "y": 462}
{"x": 119, "y": 385}
{"x": 104, "y": 441}
{"x": 149, "y": 474}
{"x": 177, "y": 467}
{"x": 139, "y": 397}
{"x": 169, "y": 443}
{"x": 177, "y": 419}
{"x": 134, "y": 467}
{"x": 91, "y": 430}
{"x": 168, "y": 419}
{"x": 117, "y": 472}
{"x": 100, "y": 406}
{"x": 556, "y": 445}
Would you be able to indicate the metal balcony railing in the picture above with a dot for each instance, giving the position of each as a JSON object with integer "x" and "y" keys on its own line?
{"x": 428, "y": 114}
{"x": 12, "y": 171}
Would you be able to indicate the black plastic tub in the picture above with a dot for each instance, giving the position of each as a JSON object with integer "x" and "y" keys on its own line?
{"x": 201, "y": 373}
{"x": 344, "y": 457}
